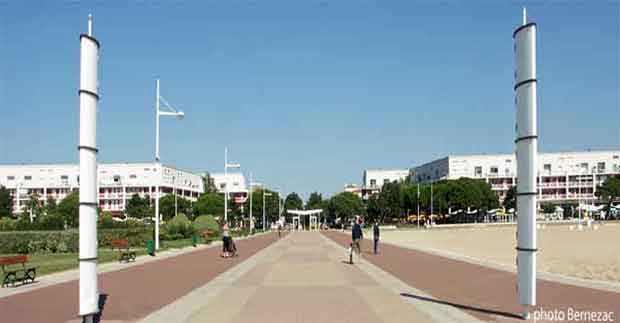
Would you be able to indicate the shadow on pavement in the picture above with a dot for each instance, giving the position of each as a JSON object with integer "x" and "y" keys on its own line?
{"x": 102, "y": 300}
{"x": 464, "y": 307}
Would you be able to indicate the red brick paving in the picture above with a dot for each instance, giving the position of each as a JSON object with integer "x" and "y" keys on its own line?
{"x": 131, "y": 293}
{"x": 485, "y": 293}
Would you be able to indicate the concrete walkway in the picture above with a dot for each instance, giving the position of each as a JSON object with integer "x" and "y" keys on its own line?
{"x": 301, "y": 278}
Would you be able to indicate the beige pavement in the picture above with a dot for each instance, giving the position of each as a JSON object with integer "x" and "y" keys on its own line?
{"x": 302, "y": 278}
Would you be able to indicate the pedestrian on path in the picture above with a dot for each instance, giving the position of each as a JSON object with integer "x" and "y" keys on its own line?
{"x": 375, "y": 235}
{"x": 357, "y": 235}
{"x": 226, "y": 241}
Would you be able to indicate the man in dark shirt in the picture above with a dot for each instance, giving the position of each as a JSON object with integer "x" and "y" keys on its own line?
{"x": 375, "y": 235}
{"x": 357, "y": 236}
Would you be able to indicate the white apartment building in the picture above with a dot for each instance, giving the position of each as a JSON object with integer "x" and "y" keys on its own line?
{"x": 374, "y": 179}
{"x": 237, "y": 188}
{"x": 562, "y": 176}
{"x": 117, "y": 182}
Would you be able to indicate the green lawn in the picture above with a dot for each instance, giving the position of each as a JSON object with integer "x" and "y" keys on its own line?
{"x": 55, "y": 262}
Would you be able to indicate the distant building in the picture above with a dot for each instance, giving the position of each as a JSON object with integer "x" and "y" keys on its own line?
{"x": 352, "y": 188}
{"x": 374, "y": 179}
{"x": 237, "y": 187}
{"x": 562, "y": 176}
{"x": 117, "y": 183}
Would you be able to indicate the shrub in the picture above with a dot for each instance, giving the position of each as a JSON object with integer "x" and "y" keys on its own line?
{"x": 206, "y": 222}
{"x": 50, "y": 222}
{"x": 29, "y": 242}
{"x": 6, "y": 224}
{"x": 136, "y": 237}
{"x": 179, "y": 227}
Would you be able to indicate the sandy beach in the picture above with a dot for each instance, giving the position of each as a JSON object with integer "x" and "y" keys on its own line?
{"x": 587, "y": 254}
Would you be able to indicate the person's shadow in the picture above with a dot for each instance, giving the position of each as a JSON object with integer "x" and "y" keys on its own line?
{"x": 464, "y": 307}
{"x": 102, "y": 300}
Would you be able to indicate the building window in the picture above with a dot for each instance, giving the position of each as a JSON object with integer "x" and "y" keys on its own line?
{"x": 10, "y": 178}
{"x": 117, "y": 178}
{"x": 386, "y": 181}
{"x": 27, "y": 177}
{"x": 547, "y": 167}
{"x": 507, "y": 171}
{"x": 494, "y": 170}
{"x": 616, "y": 157}
{"x": 373, "y": 182}
{"x": 601, "y": 167}
{"x": 133, "y": 176}
{"x": 64, "y": 177}
{"x": 478, "y": 171}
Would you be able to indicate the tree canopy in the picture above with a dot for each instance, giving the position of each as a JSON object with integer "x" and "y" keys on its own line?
{"x": 167, "y": 206}
{"x": 345, "y": 205}
{"x": 6, "y": 203}
{"x": 68, "y": 208}
{"x": 138, "y": 207}
{"x": 293, "y": 202}
{"x": 610, "y": 190}
{"x": 210, "y": 204}
{"x": 315, "y": 201}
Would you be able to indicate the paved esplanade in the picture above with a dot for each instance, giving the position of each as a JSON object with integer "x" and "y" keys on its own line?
{"x": 302, "y": 278}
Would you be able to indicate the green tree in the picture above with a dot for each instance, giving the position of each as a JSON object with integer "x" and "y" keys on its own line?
{"x": 548, "y": 207}
{"x": 33, "y": 205}
{"x": 315, "y": 201}
{"x": 609, "y": 191}
{"x": 6, "y": 203}
{"x": 390, "y": 201}
{"x": 210, "y": 203}
{"x": 346, "y": 205}
{"x": 51, "y": 207}
{"x": 208, "y": 184}
{"x": 167, "y": 206}
{"x": 510, "y": 200}
{"x": 68, "y": 208}
{"x": 293, "y": 202}
{"x": 271, "y": 205}
{"x": 138, "y": 207}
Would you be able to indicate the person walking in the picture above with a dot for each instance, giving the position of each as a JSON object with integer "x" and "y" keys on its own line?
{"x": 375, "y": 235}
{"x": 226, "y": 241}
{"x": 357, "y": 235}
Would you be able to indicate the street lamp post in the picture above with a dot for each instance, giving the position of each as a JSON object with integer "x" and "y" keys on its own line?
{"x": 264, "y": 220}
{"x": 158, "y": 113}
{"x": 252, "y": 184}
{"x": 226, "y": 167}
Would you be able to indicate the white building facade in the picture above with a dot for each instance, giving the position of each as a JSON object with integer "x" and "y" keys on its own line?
{"x": 374, "y": 179}
{"x": 237, "y": 187}
{"x": 562, "y": 176}
{"x": 117, "y": 183}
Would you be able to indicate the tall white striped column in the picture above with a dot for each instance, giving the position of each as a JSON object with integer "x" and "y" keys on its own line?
{"x": 527, "y": 158}
{"x": 89, "y": 56}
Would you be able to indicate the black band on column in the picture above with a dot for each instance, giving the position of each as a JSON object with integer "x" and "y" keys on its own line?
{"x": 88, "y": 259}
{"x": 526, "y": 193}
{"x": 525, "y": 82}
{"x": 89, "y": 203}
{"x": 91, "y": 38}
{"x": 531, "y": 24}
{"x": 89, "y": 148}
{"x": 525, "y": 138}
{"x": 527, "y": 249}
{"x": 91, "y": 93}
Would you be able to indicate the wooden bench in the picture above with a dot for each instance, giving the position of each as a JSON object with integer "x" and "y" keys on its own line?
{"x": 14, "y": 273}
{"x": 123, "y": 249}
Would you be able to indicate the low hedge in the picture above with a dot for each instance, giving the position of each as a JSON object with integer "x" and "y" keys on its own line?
{"x": 29, "y": 242}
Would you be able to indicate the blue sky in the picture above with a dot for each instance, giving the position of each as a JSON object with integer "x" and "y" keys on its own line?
{"x": 305, "y": 94}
